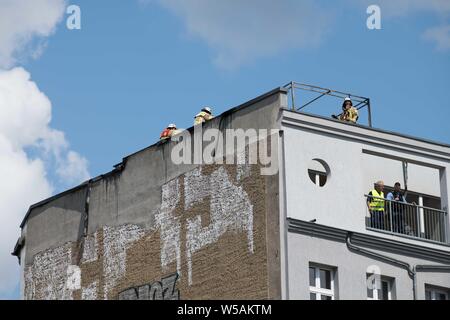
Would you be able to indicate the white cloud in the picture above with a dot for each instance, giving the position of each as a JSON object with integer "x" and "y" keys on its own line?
{"x": 397, "y": 8}
{"x": 25, "y": 115}
{"x": 23, "y": 182}
{"x": 241, "y": 31}
{"x": 440, "y": 35}
{"x": 21, "y": 22}
{"x": 73, "y": 168}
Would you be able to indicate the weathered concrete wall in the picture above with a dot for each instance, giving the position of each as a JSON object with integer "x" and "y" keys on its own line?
{"x": 153, "y": 218}
{"x": 55, "y": 223}
{"x": 209, "y": 241}
{"x": 133, "y": 195}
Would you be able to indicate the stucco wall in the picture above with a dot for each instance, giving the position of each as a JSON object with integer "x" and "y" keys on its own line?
{"x": 356, "y": 157}
{"x": 352, "y": 269}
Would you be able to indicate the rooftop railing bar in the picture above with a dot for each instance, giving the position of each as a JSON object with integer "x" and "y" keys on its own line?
{"x": 360, "y": 102}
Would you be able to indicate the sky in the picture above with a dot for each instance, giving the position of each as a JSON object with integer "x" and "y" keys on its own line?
{"x": 74, "y": 102}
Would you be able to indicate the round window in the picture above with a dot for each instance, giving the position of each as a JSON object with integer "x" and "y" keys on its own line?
{"x": 318, "y": 171}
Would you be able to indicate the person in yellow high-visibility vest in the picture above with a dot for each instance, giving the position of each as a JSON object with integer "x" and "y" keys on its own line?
{"x": 349, "y": 112}
{"x": 375, "y": 203}
{"x": 204, "y": 115}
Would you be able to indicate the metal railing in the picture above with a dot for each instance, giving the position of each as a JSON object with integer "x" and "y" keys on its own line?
{"x": 407, "y": 219}
{"x": 359, "y": 102}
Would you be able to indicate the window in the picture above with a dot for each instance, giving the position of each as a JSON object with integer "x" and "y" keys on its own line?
{"x": 383, "y": 289}
{"x": 435, "y": 293}
{"x": 318, "y": 171}
{"x": 321, "y": 282}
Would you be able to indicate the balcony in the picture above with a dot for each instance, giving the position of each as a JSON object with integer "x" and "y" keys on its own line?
{"x": 408, "y": 220}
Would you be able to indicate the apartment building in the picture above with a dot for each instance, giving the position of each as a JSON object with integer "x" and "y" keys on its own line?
{"x": 156, "y": 227}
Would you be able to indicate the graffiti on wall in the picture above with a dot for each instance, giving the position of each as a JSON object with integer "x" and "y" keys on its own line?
{"x": 165, "y": 289}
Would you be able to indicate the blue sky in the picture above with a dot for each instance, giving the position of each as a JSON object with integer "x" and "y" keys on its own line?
{"x": 132, "y": 69}
{"x": 136, "y": 66}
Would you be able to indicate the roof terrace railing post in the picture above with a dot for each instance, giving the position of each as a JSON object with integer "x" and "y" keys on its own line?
{"x": 391, "y": 218}
{"x": 446, "y": 228}
{"x": 369, "y": 109}
{"x": 293, "y": 94}
{"x": 419, "y": 222}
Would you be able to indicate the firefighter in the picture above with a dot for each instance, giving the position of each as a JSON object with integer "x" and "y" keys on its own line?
{"x": 168, "y": 132}
{"x": 204, "y": 115}
{"x": 349, "y": 112}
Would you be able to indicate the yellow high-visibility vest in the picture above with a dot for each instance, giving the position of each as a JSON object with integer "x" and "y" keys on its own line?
{"x": 202, "y": 117}
{"x": 375, "y": 203}
{"x": 350, "y": 115}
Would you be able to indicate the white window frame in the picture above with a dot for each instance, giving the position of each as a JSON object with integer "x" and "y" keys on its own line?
{"x": 389, "y": 282}
{"x": 317, "y": 175}
{"x": 317, "y": 290}
{"x": 434, "y": 291}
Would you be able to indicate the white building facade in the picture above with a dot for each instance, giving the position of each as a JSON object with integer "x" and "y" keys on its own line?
{"x": 329, "y": 247}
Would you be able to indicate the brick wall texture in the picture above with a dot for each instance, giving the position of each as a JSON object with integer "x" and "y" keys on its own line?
{"x": 211, "y": 240}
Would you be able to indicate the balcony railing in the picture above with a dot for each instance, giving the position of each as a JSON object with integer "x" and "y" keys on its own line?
{"x": 407, "y": 219}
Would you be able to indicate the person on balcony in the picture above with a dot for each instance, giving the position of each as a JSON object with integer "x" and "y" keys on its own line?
{"x": 349, "y": 113}
{"x": 399, "y": 210}
{"x": 375, "y": 204}
{"x": 204, "y": 115}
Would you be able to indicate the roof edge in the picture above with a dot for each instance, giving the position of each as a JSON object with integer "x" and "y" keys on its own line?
{"x": 369, "y": 240}
{"x": 120, "y": 166}
{"x": 225, "y": 113}
{"x": 402, "y": 135}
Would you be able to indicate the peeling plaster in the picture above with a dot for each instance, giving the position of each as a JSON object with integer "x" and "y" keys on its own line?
{"x": 230, "y": 209}
{"x": 53, "y": 276}
{"x": 73, "y": 281}
{"x": 90, "y": 249}
{"x": 169, "y": 225}
{"x": 116, "y": 241}
{"x": 46, "y": 277}
{"x": 90, "y": 292}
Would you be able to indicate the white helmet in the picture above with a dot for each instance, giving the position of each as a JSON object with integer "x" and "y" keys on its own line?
{"x": 345, "y": 102}
{"x": 172, "y": 126}
{"x": 207, "y": 109}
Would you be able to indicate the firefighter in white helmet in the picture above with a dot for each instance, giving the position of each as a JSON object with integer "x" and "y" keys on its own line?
{"x": 204, "y": 115}
{"x": 168, "y": 132}
{"x": 349, "y": 112}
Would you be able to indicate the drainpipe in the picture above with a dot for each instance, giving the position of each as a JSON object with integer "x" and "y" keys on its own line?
{"x": 405, "y": 177}
{"x": 82, "y": 236}
{"x": 411, "y": 271}
{"x": 86, "y": 208}
{"x": 283, "y": 220}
